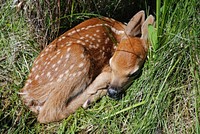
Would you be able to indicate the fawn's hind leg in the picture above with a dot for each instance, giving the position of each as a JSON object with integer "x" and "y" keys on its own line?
{"x": 91, "y": 94}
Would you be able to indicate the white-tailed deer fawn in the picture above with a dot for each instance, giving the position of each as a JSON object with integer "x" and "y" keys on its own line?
{"x": 74, "y": 69}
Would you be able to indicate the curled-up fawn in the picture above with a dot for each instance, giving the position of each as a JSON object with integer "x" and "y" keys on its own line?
{"x": 98, "y": 56}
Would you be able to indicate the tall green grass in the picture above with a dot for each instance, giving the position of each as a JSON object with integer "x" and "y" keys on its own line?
{"x": 165, "y": 99}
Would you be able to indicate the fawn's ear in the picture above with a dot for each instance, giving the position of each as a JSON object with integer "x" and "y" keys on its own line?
{"x": 144, "y": 28}
{"x": 133, "y": 27}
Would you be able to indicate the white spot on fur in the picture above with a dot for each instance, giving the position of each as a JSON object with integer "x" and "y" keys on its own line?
{"x": 53, "y": 57}
{"x": 112, "y": 19}
{"x": 68, "y": 49}
{"x": 82, "y": 56}
{"x": 42, "y": 55}
{"x": 81, "y": 37}
{"x": 58, "y": 52}
{"x": 61, "y": 38}
{"x": 54, "y": 65}
{"x": 74, "y": 74}
{"x": 29, "y": 81}
{"x": 46, "y": 50}
{"x": 59, "y": 80}
{"x": 71, "y": 67}
{"x": 61, "y": 76}
{"x": 98, "y": 25}
{"x": 73, "y": 32}
{"x": 78, "y": 41}
{"x": 106, "y": 18}
{"x": 81, "y": 65}
{"x": 107, "y": 40}
{"x": 78, "y": 30}
{"x": 36, "y": 77}
{"x": 67, "y": 56}
{"x": 116, "y": 31}
{"x": 69, "y": 34}
{"x": 51, "y": 79}
{"x": 69, "y": 43}
{"x": 103, "y": 54}
{"x": 67, "y": 71}
{"x": 49, "y": 74}
{"x": 90, "y": 46}
{"x": 36, "y": 61}
{"x": 30, "y": 75}
{"x": 70, "y": 76}
{"x": 89, "y": 27}
{"x": 83, "y": 43}
{"x": 59, "y": 62}
{"x": 36, "y": 67}
{"x": 33, "y": 69}
{"x": 56, "y": 69}
{"x": 79, "y": 73}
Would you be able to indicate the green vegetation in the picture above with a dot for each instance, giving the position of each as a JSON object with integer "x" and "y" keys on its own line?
{"x": 166, "y": 98}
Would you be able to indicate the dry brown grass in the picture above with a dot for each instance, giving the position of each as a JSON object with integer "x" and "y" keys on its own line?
{"x": 48, "y": 18}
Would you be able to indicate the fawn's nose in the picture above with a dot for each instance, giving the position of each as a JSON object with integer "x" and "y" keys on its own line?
{"x": 114, "y": 93}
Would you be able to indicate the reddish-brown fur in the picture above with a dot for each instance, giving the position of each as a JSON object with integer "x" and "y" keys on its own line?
{"x": 74, "y": 68}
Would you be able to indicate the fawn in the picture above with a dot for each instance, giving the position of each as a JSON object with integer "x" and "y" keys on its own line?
{"x": 98, "y": 56}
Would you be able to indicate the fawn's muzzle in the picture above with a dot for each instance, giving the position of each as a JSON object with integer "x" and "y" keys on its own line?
{"x": 114, "y": 93}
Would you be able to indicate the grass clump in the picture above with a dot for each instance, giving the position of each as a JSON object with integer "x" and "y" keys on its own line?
{"x": 165, "y": 99}
{"x": 172, "y": 86}
{"x": 17, "y": 52}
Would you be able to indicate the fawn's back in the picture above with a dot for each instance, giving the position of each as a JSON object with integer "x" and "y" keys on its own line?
{"x": 91, "y": 40}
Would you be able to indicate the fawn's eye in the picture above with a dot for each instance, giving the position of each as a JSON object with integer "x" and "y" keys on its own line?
{"x": 135, "y": 74}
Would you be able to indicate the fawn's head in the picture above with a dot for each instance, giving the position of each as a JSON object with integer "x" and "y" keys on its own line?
{"x": 130, "y": 55}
